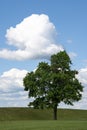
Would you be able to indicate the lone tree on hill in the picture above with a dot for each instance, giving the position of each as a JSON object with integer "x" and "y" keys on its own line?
{"x": 53, "y": 83}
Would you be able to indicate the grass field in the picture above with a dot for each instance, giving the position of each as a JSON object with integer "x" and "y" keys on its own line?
{"x": 43, "y": 125}
{"x": 11, "y": 114}
{"x": 34, "y": 119}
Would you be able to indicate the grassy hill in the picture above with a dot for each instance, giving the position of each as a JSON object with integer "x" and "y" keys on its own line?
{"x": 7, "y": 114}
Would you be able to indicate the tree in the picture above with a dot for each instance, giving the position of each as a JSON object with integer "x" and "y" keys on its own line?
{"x": 53, "y": 83}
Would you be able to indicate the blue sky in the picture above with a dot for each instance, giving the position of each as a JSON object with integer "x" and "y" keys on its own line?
{"x": 30, "y": 31}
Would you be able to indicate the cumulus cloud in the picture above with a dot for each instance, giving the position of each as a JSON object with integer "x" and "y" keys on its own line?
{"x": 12, "y": 80}
{"x": 34, "y": 37}
{"x": 11, "y": 88}
{"x": 82, "y": 76}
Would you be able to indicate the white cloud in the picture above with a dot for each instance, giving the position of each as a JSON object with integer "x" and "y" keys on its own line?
{"x": 34, "y": 37}
{"x": 83, "y": 76}
{"x": 11, "y": 88}
{"x": 12, "y": 80}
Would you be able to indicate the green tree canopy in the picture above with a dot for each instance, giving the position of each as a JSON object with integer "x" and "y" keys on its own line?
{"x": 53, "y": 83}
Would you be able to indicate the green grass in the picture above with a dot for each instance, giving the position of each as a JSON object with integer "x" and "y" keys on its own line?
{"x": 34, "y": 119}
{"x": 7, "y": 114}
{"x": 43, "y": 125}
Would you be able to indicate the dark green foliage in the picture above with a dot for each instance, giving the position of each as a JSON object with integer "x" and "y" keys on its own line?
{"x": 54, "y": 83}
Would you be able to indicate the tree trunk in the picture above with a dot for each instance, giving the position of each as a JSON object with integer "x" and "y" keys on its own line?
{"x": 55, "y": 112}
